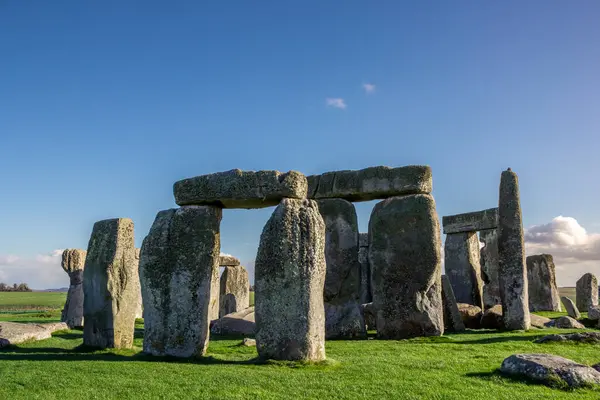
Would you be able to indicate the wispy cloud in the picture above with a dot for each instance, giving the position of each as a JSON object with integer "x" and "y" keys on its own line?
{"x": 369, "y": 87}
{"x": 575, "y": 251}
{"x": 336, "y": 103}
{"x": 42, "y": 271}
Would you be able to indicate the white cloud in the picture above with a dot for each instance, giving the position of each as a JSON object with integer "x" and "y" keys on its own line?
{"x": 336, "y": 103}
{"x": 368, "y": 87}
{"x": 42, "y": 271}
{"x": 575, "y": 251}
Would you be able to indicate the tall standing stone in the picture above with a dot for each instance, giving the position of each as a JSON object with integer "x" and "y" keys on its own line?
{"x": 73, "y": 262}
{"x": 139, "y": 308}
{"x": 512, "y": 274}
{"x": 179, "y": 259}
{"x": 452, "y": 317}
{"x": 586, "y": 291}
{"x": 365, "y": 269}
{"x": 404, "y": 252}
{"x": 461, "y": 252}
{"x": 290, "y": 278}
{"x": 488, "y": 256}
{"x": 342, "y": 280}
{"x": 235, "y": 290}
{"x": 541, "y": 278}
{"x": 110, "y": 285}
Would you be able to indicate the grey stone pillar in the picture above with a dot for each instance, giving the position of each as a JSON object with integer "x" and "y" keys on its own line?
{"x": 110, "y": 285}
{"x": 461, "y": 252}
{"x": 511, "y": 267}
{"x": 179, "y": 259}
{"x": 488, "y": 257}
{"x": 365, "y": 269}
{"x": 452, "y": 317}
{"x": 406, "y": 271}
{"x": 73, "y": 262}
{"x": 586, "y": 292}
{"x": 289, "y": 281}
{"x": 541, "y": 279}
{"x": 235, "y": 290}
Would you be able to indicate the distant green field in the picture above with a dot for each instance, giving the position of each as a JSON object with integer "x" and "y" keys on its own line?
{"x": 32, "y": 300}
{"x": 567, "y": 291}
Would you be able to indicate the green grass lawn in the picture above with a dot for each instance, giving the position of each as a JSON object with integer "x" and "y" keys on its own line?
{"x": 15, "y": 301}
{"x": 455, "y": 366}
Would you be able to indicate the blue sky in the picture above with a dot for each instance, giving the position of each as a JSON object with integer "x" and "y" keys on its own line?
{"x": 104, "y": 105}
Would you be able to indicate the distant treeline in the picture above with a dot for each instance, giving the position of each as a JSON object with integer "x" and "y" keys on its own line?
{"x": 21, "y": 287}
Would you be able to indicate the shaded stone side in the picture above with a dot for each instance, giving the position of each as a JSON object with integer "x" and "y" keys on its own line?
{"x": 541, "y": 278}
{"x": 139, "y": 309}
{"x": 73, "y": 263}
{"x": 586, "y": 291}
{"x": 461, "y": 252}
{"x": 240, "y": 189}
{"x": 404, "y": 252}
{"x": 471, "y": 222}
{"x": 178, "y": 263}
{"x": 290, "y": 278}
{"x": 570, "y": 307}
{"x": 234, "y": 290}
{"x": 110, "y": 285}
{"x": 488, "y": 258}
{"x": 371, "y": 183}
{"x": 227, "y": 260}
{"x": 365, "y": 269}
{"x": 452, "y": 317}
{"x": 512, "y": 274}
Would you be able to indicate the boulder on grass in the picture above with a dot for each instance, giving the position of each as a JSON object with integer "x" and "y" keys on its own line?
{"x": 470, "y": 314}
{"x": 568, "y": 323}
{"x": 237, "y": 323}
{"x": 492, "y": 318}
{"x": 583, "y": 337}
{"x": 538, "y": 321}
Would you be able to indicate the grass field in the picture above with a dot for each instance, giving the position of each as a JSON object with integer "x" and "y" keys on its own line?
{"x": 15, "y": 301}
{"x": 455, "y": 366}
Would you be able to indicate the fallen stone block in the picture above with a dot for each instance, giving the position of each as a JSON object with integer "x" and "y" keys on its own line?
{"x": 235, "y": 324}
{"x": 471, "y": 222}
{"x": 240, "y": 189}
{"x": 571, "y": 308}
{"x": 14, "y": 333}
{"x": 471, "y": 315}
{"x": 344, "y": 321}
{"x": 371, "y": 183}
{"x": 568, "y": 323}
{"x": 583, "y": 337}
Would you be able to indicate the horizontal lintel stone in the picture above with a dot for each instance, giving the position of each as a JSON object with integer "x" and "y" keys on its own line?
{"x": 470, "y": 222}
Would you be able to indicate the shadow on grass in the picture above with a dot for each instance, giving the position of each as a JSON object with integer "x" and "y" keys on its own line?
{"x": 553, "y": 382}
{"x": 500, "y": 339}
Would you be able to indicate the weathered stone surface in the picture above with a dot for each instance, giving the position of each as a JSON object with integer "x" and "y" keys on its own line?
{"x": 583, "y": 337}
{"x": 538, "y": 321}
{"x": 365, "y": 269}
{"x": 235, "y": 324}
{"x": 452, "y": 317}
{"x": 370, "y": 315}
{"x": 511, "y": 267}
{"x": 240, "y": 189}
{"x": 227, "y": 260}
{"x": 471, "y": 222}
{"x": 570, "y": 307}
{"x": 586, "y": 291}
{"x": 567, "y": 323}
{"x": 215, "y": 296}
{"x": 541, "y": 278}
{"x": 371, "y": 183}
{"x": 73, "y": 262}
{"x": 488, "y": 258}
{"x": 15, "y": 333}
{"x": 344, "y": 321}
{"x": 110, "y": 285}
{"x": 249, "y": 342}
{"x": 404, "y": 252}
{"x": 470, "y": 315}
{"x": 139, "y": 308}
{"x": 492, "y": 318}
{"x": 594, "y": 313}
{"x": 235, "y": 290}
{"x": 290, "y": 278}
{"x": 548, "y": 368}
{"x": 178, "y": 264}
{"x": 461, "y": 252}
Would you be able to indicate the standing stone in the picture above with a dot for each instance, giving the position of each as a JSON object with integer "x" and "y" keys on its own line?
{"x": 511, "y": 267}
{"x": 73, "y": 262}
{"x": 110, "y": 285}
{"x": 461, "y": 252}
{"x": 406, "y": 271}
{"x": 541, "y": 278}
{"x": 342, "y": 280}
{"x": 570, "y": 307}
{"x": 586, "y": 291}
{"x": 235, "y": 290}
{"x": 139, "y": 309}
{"x": 215, "y": 295}
{"x": 488, "y": 257}
{"x": 365, "y": 269}
{"x": 290, "y": 278}
{"x": 179, "y": 259}
{"x": 452, "y": 317}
